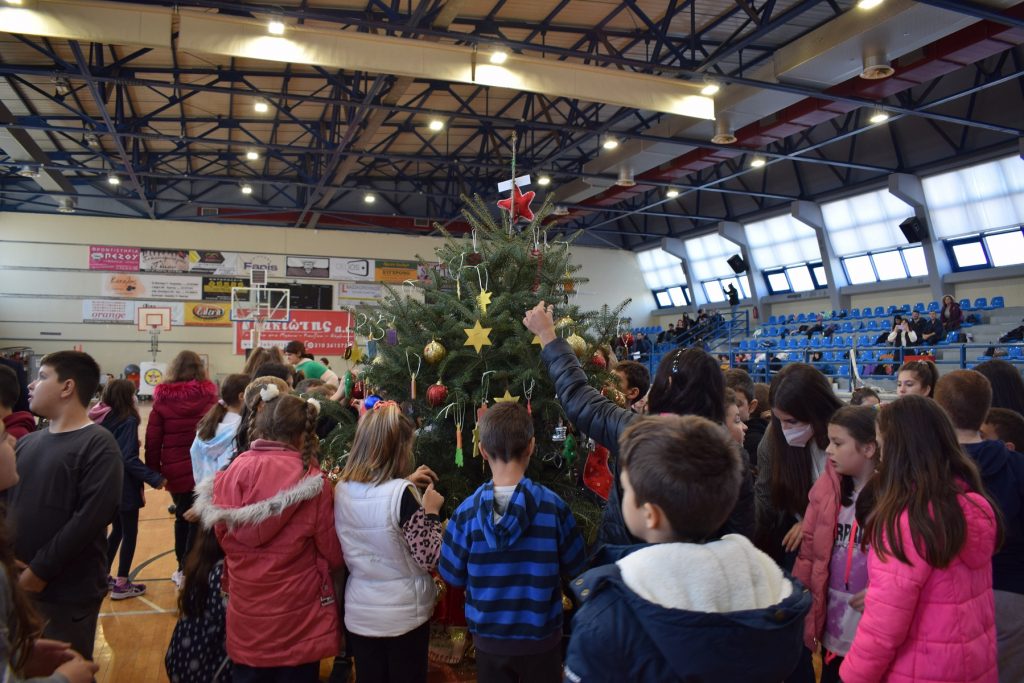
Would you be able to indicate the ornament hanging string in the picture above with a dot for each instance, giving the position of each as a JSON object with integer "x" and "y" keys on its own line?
{"x": 413, "y": 373}
{"x": 528, "y": 393}
{"x": 460, "y": 419}
{"x": 512, "y": 205}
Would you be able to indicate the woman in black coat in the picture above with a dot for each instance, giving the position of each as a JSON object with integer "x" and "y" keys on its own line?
{"x": 687, "y": 382}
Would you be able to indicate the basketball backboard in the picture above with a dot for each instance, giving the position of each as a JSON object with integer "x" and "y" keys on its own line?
{"x": 153, "y": 318}
{"x": 260, "y": 304}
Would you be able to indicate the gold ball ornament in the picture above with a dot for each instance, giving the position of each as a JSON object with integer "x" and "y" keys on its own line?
{"x": 434, "y": 352}
{"x": 378, "y": 360}
{"x": 578, "y": 344}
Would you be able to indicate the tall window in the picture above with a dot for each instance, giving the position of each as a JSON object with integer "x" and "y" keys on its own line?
{"x": 781, "y": 241}
{"x": 888, "y": 264}
{"x": 987, "y": 250}
{"x": 802, "y": 277}
{"x": 865, "y": 222}
{"x": 976, "y": 199}
{"x": 664, "y": 275}
{"x": 708, "y": 256}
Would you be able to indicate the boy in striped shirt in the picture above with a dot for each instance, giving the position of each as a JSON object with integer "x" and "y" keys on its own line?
{"x": 509, "y": 544}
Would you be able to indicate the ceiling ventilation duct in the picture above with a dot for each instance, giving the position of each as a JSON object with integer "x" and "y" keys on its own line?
{"x": 876, "y": 67}
{"x": 625, "y": 177}
{"x": 66, "y": 205}
{"x": 723, "y": 135}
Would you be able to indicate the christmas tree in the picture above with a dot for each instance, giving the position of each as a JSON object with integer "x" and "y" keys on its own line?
{"x": 452, "y": 344}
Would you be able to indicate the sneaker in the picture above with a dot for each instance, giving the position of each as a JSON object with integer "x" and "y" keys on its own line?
{"x": 178, "y": 578}
{"x": 111, "y": 581}
{"x": 123, "y": 591}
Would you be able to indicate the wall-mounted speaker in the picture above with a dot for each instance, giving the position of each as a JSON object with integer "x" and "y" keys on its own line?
{"x": 737, "y": 264}
{"x": 913, "y": 229}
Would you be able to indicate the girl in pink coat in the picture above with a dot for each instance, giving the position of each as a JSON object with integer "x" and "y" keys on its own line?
{"x": 833, "y": 561}
{"x": 273, "y": 512}
{"x": 929, "y": 615}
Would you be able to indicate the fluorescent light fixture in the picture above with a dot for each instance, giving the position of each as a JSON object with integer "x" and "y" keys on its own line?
{"x": 247, "y": 189}
{"x": 610, "y": 142}
{"x": 261, "y": 107}
{"x": 672, "y": 193}
{"x": 113, "y": 179}
{"x": 544, "y": 180}
{"x": 252, "y": 155}
{"x": 369, "y": 198}
{"x": 869, "y": 4}
{"x": 757, "y": 162}
{"x": 436, "y": 125}
{"x": 710, "y": 88}
{"x": 879, "y": 116}
{"x": 275, "y": 28}
{"x": 499, "y": 57}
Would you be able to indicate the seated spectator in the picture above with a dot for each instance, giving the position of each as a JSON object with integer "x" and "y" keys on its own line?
{"x": 952, "y": 316}
{"x": 668, "y": 335}
{"x": 931, "y": 330}
{"x": 902, "y": 334}
{"x": 1004, "y": 425}
{"x": 17, "y": 423}
{"x": 642, "y": 347}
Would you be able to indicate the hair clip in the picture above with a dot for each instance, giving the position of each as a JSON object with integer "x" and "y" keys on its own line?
{"x": 315, "y": 403}
{"x": 269, "y": 392}
{"x": 675, "y": 361}
{"x": 384, "y": 404}
{"x": 221, "y": 403}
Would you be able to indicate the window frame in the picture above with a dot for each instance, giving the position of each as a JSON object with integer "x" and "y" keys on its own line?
{"x": 870, "y": 255}
{"x": 687, "y": 296}
{"x": 783, "y": 270}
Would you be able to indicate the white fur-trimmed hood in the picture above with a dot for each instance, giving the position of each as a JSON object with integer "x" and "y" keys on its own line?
{"x": 307, "y": 488}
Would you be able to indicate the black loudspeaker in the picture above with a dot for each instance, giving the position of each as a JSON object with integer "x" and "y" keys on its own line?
{"x": 913, "y": 229}
{"x": 737, "y": 264}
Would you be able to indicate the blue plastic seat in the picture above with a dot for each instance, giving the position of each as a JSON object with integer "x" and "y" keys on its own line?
{"x": 980, "y": 304}
{"x": 891, "y": 311}
{"x": 874, "y": 326}
{"x": 952, "y": 337}
{"x": 803, "y": 343}
{"x": 880, "y": 311}
{"x": 1016, "y": 353}
{"x": 868, "y": 356}
{"x": 965, "y": 304}
{"x": 905, "y": 308}
{"x": 772, "y": 320}
{"x": 816, "y": 343}
{"x": 847, "y": 327}
{"x": 844, "y": 370}
{"x": 854, "y": 313}
{"x": 919, "y": 307}
{"x": 934, "y": 306}
{"x": 802, "y": 318}
{"x": 997, "y": 302}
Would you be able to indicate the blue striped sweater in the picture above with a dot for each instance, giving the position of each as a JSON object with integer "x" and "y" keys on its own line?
{"x": 511, "y": 568}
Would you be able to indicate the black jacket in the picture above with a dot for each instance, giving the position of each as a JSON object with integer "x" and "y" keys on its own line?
{"x": 1002, "y": 472}
{"x": 126, "y": 432}
{"x": 756, "y": 427}
{"x": 604, "y": 421}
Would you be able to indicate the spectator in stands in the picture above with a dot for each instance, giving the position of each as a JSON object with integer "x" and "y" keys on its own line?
{"x": 634, "y": 381}
{"x": 966, "y": 396}
{"x": 733, "y": 296}
{"x": 17, "y": 423}
{"x": 642, "y": 347}
{"x": 916, "y": 322}
{"x": 1007, "y": 385}
{"x": 931, "y": 330}
{"x": 667, "y": 335}
{"x": 865, "y": 397}
{"x": 260, "y": 356}
{"x": 951, "y": 316}
{"x": 917, "y": 377}
{"x": 1006, "y": 426}
{"x": 902, "y": 334}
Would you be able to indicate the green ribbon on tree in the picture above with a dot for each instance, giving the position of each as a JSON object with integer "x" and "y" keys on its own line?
{"x": 569, "y": 449}
{"x": 349, "y": 382}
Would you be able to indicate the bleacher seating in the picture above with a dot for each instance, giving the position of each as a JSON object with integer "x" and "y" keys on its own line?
{"x": 934, "y": 306}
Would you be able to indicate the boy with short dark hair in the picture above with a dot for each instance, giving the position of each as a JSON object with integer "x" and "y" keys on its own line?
{"x": 509, "y": 544}
{"x": 69, "y": 491}
{"x": 17, "y": 423}
{"x": 1004, "y": 425}
{"x": 634, "y": 381}
{"x": 739, "y": 380}
{"x": 684, "y": 605}
{"x": 966, "y": 396}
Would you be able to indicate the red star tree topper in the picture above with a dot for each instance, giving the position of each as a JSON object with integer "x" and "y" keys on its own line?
{"x": 518, "y": 205}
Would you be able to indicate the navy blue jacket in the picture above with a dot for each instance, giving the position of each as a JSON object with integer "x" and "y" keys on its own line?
{"x": 1002, "y": 472}
{"x": 126, "y": 433}
{"x": 618, "y": 636}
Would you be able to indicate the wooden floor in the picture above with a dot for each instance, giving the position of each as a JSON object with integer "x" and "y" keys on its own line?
{"x": 132, "y": 635}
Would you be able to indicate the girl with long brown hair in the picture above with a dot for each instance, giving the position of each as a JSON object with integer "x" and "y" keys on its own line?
{"x": 929, "y": 613}
{"x": 214, "y": 445}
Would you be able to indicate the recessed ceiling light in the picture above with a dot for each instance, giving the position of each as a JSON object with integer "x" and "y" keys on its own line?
{"x": 369, "y": 198}
{"x": 261, "y": 107}
{"x": 544, "y": 180}
{"x": 710, "y": 88}
{"x": 499, "y": 57}
{"x": 880, "y": 116}
{"x": 275, "y": 28}
{"x": 246, "y": 189}
{"x": 252, "y": 156}
{"x": 113, "y": 179}
{"x": 757, "y": 162}
{"x": 869, "y": 4}
{"x": 436, "y": 125}
{"x": 610, "y": 142}
{"x": 672, "y": 193}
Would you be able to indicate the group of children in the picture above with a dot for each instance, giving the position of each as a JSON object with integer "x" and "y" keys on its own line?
{"x": 907, "y": 551}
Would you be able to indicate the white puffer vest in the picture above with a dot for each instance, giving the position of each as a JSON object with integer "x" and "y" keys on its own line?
{"x": 387, "y": 593}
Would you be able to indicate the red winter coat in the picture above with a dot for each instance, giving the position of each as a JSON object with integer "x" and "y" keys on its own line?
{"x": 275, "y": 520}
{"x": 819, "y": 536}
{"x": 922, "y": 624}
{"x": 177, "y": 409}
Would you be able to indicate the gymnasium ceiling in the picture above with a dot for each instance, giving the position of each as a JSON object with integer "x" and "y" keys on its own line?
{"x": 148, "y": 93}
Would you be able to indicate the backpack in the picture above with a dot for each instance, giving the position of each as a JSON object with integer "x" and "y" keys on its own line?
{"x": 1014, "y": 335}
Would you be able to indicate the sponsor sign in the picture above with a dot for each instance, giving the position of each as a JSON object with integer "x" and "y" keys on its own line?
{"x": 129, "y": 286}
{"x": 353, "y": 269}
{"x": 325, "y": 333}
{"x": 352, "y": 293}
{"x": 164, "y": 261}
{"x": 219, "y": 288}
{"x": 114, "y": 258}
{"x": 213, "y": 262}
{"x": 108, "y": 311}
{"x": 150, "y": 374}
{"x": 308, "y": 266}
{"x": 274, "y": 264}
{"x": 396, "y": 272}
{"x": 208, "y": 313}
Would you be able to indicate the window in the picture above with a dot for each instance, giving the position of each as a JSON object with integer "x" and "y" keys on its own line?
{"x": 859, "y": 270}
{"x": 715, "y": 289}
{"x": 660, "y": 268}
{"x": 679, "y": 298}
{"x": 673, "y": 297}
{"x": 780, "y": 241}
{"x": 801, "y": 277}
{"x": 882, "y": 266}
{"x": 870, "y": 220}
{"x": 1006, "y": 248}
{"x": 916, "y": 265}
{"x": 778, "y": 282}
{"x": 664, "y": 300}
{"x": 970, "y": 254}
{"x": 977, "y": 198}
{"x": 987, "y": 250}
{"x": 708, "y": 255}
{"x": 820, "y": 280}
{"x": 889, "y": 265}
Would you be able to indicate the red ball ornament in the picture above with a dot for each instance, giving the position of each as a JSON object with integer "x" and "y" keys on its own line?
{"x": 358, "y": 390}
{"x": 598, "y": 360}
{"x": 436, "y": 394}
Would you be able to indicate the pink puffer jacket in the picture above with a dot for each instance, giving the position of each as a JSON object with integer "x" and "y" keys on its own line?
{"x": 819, "y": 536}
{"x": 927, "y": 625}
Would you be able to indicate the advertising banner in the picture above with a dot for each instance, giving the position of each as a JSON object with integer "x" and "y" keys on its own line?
{"x": 274, "y": 264}
{"x": 208, "y": 313}
{"x": 396, "y": 272}
{"x": 114, "y": 258}
{"x": 108, "y": 311}
{"x": 213, "y": 262}
{"x": 219, "y": 288}
{"x": 353, "y": 293}
{"x": 325, "y": 333}
{"x": 124, "y": 285}
{"x": 309, "y": 266}
{"x": 353, "y": 269}
{"x": 164, "y": 261}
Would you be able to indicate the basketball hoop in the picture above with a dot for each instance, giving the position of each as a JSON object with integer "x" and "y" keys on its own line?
{"x": 153, "y": 319}
{"x": 259, "y": 305}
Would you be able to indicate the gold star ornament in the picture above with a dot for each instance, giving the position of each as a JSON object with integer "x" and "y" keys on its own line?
{"x": 507, "y": 398}
{"x": 483, "y": 299}
{"x": 477, "y": 336}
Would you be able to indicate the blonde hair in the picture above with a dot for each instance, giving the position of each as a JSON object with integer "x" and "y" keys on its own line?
{"x": 382, "y": 448}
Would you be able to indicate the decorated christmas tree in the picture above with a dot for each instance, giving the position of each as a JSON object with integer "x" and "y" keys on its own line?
{"x": 453, "y": 343}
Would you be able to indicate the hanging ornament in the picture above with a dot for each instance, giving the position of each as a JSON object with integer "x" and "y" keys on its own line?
{"x": 474, "y": 259}
{"x": 391, "y": 337}
{"x": 518, "y": 205}
{"x": 483, "y": 299}
{"x": 370, "y": 401}
{"x": 597, "y": 476}
{"x": 507, "y": 398}
{"x": 536, "y": 254}
{"x": 578, "y": 344}
{"x": 598, "y": 360}
{"x": 436, "y": 394}
{"x": 564, "y": 321}
{"x": 434, "y": 352}
{"x": 413, "y": 373}
{"x": 615, "y": 396}
{"x": 371, "y": 349}
{"x": 568, "y": 286}
{"x": 477, "y": 336}
{"x": 569, "y": 449}
{"x": 358, "y": 390}
{"x": 560, "y": 432}
{"x": 460, "y": 420}
{"x": 347, "y": 384}
{"x": 378, "y": 360}
{"x": 528, "y": 392}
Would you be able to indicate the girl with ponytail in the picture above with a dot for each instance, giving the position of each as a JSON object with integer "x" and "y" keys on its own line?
{"x": 273, "y": 512}
{"x": 214, "y": 445}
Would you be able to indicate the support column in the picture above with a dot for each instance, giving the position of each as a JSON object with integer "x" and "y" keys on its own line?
{"x": 809, "y": 213}
{"x": 907, "y": 188}
{"x": 677, "y": 248}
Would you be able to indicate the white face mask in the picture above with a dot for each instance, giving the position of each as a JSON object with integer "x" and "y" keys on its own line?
{"x": 798, "y": 436}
